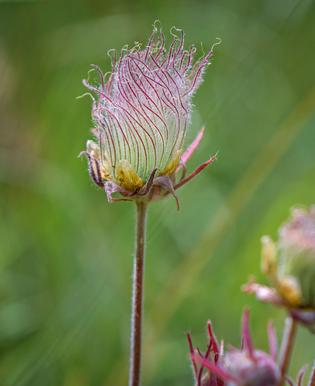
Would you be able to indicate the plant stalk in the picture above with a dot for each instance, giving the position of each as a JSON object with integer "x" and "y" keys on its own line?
{"x": 137, "y": 296}
{"x": 312, "y": 376}
{"x": 287, "y": 346}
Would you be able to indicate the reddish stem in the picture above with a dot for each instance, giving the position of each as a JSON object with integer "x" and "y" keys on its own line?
{"x": 287, "y": 346}
{"x": 137, "y": 297}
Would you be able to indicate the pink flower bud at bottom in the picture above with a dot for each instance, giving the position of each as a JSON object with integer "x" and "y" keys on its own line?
{"x": 261, "y": 370}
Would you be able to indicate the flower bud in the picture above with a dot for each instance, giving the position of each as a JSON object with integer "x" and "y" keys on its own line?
{"x": 141, "y": 115}
{"x": 289, "y": 264}
{"x": 261, "y": 370}
{"x": 296, "y": 259}
{"x": 236, "y": 367}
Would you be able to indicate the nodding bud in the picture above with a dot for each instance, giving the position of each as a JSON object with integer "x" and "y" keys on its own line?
{"x": 261, "y": 370}
{"x": 290, "y": 263}
{"x": 142, "y": 112}
{"x": 246, "y": 366}
{"x": 296, "y": 259}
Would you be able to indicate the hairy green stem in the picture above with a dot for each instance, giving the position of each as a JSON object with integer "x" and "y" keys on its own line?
{"x": 137, "y": 297}
{"x": 287, "y": 346}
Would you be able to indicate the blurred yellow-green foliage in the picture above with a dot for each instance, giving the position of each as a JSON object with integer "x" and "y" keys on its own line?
{"x": 66, "y": 255}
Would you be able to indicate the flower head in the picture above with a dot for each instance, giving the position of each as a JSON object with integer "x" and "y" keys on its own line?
{"x": 295, "y": 275}
{"x": 290, "y": 266}
{"x": 236, "y": 367}
{"x": 141, "y": 115}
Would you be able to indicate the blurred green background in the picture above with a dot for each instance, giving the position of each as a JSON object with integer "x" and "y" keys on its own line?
{"x": 66, "y": 254}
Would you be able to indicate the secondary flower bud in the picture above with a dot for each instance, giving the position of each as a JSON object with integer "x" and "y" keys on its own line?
{"x": 296, "y": 259}
{"x": 237, "y": 367}
{"x": 289, "y": 264}
{"x": 261, "y": 370}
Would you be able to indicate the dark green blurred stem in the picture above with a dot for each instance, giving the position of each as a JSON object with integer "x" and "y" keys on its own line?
{"x": 137, "y": 297}
{"x": 287, "y": 346}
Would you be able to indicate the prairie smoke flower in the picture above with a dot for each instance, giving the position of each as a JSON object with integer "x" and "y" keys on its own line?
{"x": 236, "y": 367}
{"x": 141, "y": 116}
{"x": 290, "y": 266}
